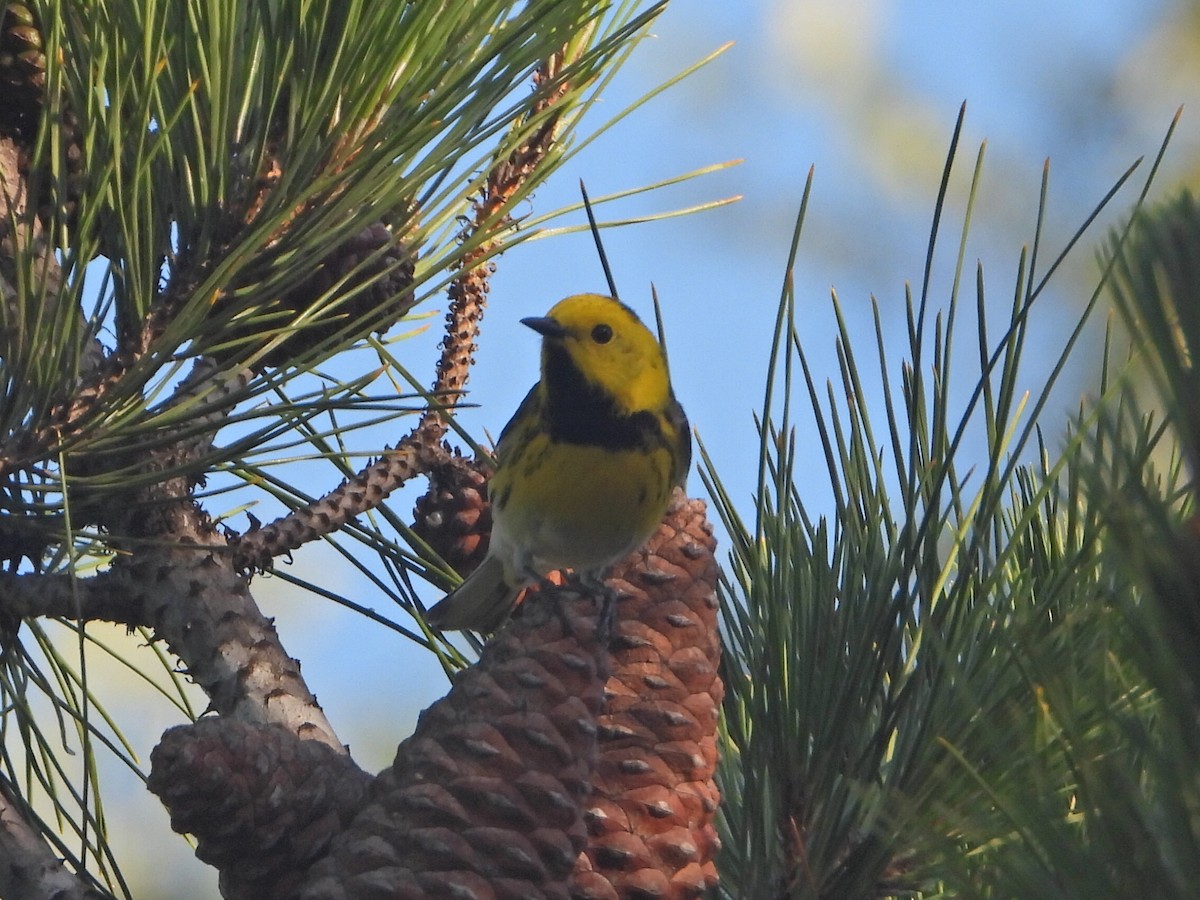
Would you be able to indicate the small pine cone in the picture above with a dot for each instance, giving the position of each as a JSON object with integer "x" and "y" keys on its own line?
{"x": 454, "y": 516}
{"x": 650, "y": 819}
{"x": 22, "y": 97}
{"x": 68, "y": 197}
{"x": 262, "y": 803}
{"x": 22, "y": 72}
{"x": 388, "y": 298}
{"x": 486, "y": 799}
{"x": 357, "y": 260}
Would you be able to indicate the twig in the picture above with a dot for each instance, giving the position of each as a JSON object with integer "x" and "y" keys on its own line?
{"x": 102, "y": 598}
{"x": 413, "y": 456}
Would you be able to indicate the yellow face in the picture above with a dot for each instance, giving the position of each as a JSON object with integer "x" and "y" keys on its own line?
{"x": 611, "y": 348}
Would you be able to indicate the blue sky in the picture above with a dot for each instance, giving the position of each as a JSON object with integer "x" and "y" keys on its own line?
{"x": 867, "y": 92}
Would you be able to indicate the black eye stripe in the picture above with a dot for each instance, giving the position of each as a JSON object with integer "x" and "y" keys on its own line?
{"x": 602, "y": 334}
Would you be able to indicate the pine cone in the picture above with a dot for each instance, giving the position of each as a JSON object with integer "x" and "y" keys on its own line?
{"x": 262, "y": 803}
{"x": 68, "y": 200}
{"x": 454, "y": 517}
{"x": 22, "y": 98}
{"x": 650, "y": 819}
{"x": 22, "y": 72}
{"x": 389, "y": 297}
{"x": 485, "y": 800}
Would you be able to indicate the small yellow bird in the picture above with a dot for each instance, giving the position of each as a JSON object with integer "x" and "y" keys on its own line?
{"x": 586, "y": 466}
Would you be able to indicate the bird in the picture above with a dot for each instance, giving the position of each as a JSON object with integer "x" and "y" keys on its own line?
{"x": 585, "y": 468}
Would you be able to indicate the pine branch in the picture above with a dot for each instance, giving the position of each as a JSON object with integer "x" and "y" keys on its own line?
{"x": 413, "y": 456}
{"x": 922, "y": 685}
{"x": 28, "y": 867}
{"x": 102, "y": 598}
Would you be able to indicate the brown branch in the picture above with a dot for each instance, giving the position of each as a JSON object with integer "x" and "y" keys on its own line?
{"x": 179, "y": 575}
{"x": 192, "y": 598}
{"x": 102, "y": 598}
{"x": 183, "y": 586}
{"x": 184, "y": 583}
{"x": 413, "y": 456}
{"x": 28, "y": 867}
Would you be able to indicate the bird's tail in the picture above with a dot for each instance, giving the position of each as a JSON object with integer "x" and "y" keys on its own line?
{"x": 481, "y": 603}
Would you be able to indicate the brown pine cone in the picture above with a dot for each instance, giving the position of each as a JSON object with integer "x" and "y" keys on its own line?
{"x": 368, "y": 255}
{"x": 22, "y": 72}
{"x": 454, "y": 516}
{"x": 262, "y": 803}
{"x": 485, "y": 800}
{"x": 650, "y": 819}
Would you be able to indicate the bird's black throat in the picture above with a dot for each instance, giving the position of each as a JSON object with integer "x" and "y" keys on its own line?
{"x": 578, "y": 411}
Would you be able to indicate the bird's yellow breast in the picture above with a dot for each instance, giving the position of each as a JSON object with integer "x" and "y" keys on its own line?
{"x": 578, "y": 505}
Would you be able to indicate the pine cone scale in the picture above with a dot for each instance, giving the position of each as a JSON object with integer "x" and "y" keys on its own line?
{"x": 650, "y": 820}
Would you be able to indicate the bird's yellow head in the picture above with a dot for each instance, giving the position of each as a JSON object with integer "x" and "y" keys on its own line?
{"x": 607, "y": 344}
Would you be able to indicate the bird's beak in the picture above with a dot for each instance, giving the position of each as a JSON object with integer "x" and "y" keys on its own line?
{"x": 545, "y": 326}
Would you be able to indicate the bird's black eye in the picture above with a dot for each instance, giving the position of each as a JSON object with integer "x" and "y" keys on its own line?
{"x": 602, "y": 334}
